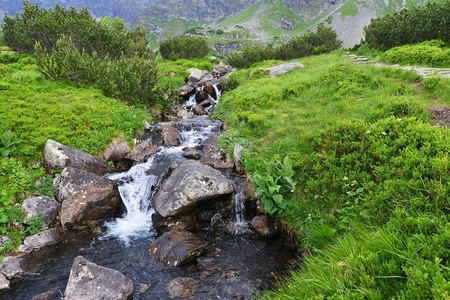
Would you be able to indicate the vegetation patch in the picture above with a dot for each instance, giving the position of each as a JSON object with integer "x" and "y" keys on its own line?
{"x": 430, "y": 53}
{"x": 370, "y": 174}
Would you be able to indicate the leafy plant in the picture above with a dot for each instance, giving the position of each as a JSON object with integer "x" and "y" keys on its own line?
{"x": 35, "y": 224}
{"x": 275, "y": 186}
{"x": 7, "y": 143}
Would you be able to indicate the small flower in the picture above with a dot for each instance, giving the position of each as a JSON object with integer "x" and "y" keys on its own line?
{"x": 345, "y": 178}
{"x": 383, "y": 133}
{"x": 292, "y": 191}
{"x": 399, "y": 119}
{"x": 368, "y": 131}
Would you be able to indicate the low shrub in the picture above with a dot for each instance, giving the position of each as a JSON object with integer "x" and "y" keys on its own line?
{"x": 183, "y": 47}
{"x": 433, "y": 54}
{"x": 116, "y": 78}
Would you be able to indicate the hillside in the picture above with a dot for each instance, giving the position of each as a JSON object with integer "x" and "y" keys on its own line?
{"x": 225, "y": 22}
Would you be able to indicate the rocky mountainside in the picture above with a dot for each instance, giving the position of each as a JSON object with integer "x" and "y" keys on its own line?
{"x": 232, "y": 22}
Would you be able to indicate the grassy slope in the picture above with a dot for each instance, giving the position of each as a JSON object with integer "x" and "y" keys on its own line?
{"x": 371, "y": 174}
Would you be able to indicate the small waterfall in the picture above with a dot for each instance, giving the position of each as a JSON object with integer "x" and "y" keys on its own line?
{"x": 139, "y": 185}
{"x": 239, "y": 208}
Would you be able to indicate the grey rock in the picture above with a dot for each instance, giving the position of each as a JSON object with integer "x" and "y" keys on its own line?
{"x": 142, "y": 151}
{"x": 216, "y": 157}
{"x": 201, "y": 96}
{"x": 264, "y": 226}
{"x": 283, "y": 68}
{"x": 85, "y": 197}
{"x": 199, "y": 110}
{"x": 3, "y": 240}
{"x": 187, "y": 91}
{"x": 190, "y": 183}
{"x": 186, "y": 222}
{"x": 59, "y": 156}
{"x": 42, "y": 239}
{"x": 4, "y": 283}
{"x": 11, "y": 267}
{"x": 54, "y": 293}
{"x": 191, "y": 153}
{"x": 195, "y": 75}
{"x": 237, "y": 157}
{"x": 207, "y": 103}
{"x": 185, "y": 114}
{"x": 169, "y": 136}
{"x": 182, "y": 287}
{"x": 90, "y": 281}
{"x": 117, "y": 150}
{"x": 177, "y": 247}
{"x": 34, "y": 205}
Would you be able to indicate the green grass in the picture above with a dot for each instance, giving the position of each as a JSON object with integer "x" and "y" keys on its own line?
{"x": 350, "y": 8}
{"x": 34, "y": 110}
{"x": 371, "y": 203}
{"x": 241, "y": 17}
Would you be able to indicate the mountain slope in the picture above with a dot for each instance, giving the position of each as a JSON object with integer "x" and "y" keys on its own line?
{"x": 236, "y": 21}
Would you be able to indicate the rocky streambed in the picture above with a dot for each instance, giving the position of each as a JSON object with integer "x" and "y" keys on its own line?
{"x": 176, "y": 222}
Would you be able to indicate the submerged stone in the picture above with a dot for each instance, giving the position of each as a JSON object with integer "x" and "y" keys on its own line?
{"x": 177, "y": 247}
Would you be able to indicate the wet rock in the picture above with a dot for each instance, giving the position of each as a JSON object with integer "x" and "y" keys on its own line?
{"x": 186, "y": 91}
{"x": 142, "y": 152}
{"x": 207, "y": 77}
{"x": 182, "y": 287}
{"x": 177, "y": 247}
{"x": 169, "y": 136}
{"x": 3, "y": 240}
{"x": 51, "y": 294}
{"x": 195, "y": 75}
{"x": 201, "y": 96}
{"x": 237, "y": 157}
{"x": 187, "y": 222}
{"x": 11, "y": 267}
{"x": 85, "y": 197}
{"x": 216, "y": 157}
{"x": 191, "y": 153}
{"x": 42, "y": 239}
{"x": 185, "y": 114}
{"x": 117, "y": 150}
{"x": 4, "y": 283}
{"x": 190, "y": 183}
{"x": 283, "y": 68}
{"x": 59, "y": 156}
{"x": 264, "y": 226}
{"x": 206, "y": 215}
{"x": 207, "y": 103}
{"x": 209, "y": 88}
{"x": 199, "y": 110}
{"x": 34, "y": 205}
{"x": 90, "y": 281}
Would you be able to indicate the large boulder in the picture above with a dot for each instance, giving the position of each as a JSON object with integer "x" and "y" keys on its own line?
{"x": 195, "y": 75}
{"x": 85, "y": 197}
{"x": 264, "y": 226}
{"x": 41, "y": 239}
{"x": 34, "y": 205}
{"x": 59, "y": 156}
{"x": 190, "y": 183}
{"x": 90, "y": 281}
{"x": 177, "y": 247}
{"x": 283, "y": 68}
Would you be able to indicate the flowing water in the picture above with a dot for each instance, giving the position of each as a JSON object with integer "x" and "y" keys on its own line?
{"x": 234, "y": 266}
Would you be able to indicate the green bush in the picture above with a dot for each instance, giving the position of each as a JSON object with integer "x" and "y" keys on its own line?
{"x": 410, "y": 26}
{"x": 45, "y": 26}
{"x": 116, "y": 78}
{"x": 183, "y": 47}
{"x": 433, "y": 54}
{"x": 324, "y": 40}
